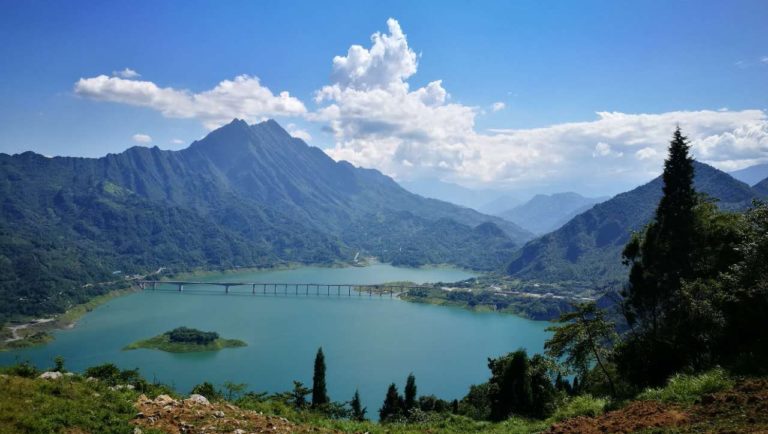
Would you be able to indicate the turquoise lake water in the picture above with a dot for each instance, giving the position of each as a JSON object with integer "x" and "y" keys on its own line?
{"x": 369, "y": 342}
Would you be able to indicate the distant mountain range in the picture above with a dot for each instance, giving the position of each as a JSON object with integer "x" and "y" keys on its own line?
{"x": 752, "y": 174}
{"x": 588, "y": 248}
{"x": 546, "y": 212}
{"x": 243, "y": 196}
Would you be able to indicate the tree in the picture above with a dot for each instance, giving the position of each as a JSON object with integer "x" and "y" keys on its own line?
{"x": 319, "y": 392}
{"x": 299, "y": 394}
{"x": 661, "y": 257}
{"x": 393, "y": 404}
{"x": 410, "y": 393}
{"x": 583, "y": 338}
{"x": 207, "y": 390}
{"x": 234, "y": 389}
{"x": 358, "y": 411}
{"x": 510, "y": 385}
{"x": 58, "y": 364}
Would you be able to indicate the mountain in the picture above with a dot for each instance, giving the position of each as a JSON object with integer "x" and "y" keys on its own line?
{"x": 752, "y": 174}
{"x": 500, "y": 204}
{"x": 453, "y": 193}
{"x": 588, "y": 248}
{"x": 547, "y": 212}
{"x": 762, "y": 188}
{"x": 242, "y": 196}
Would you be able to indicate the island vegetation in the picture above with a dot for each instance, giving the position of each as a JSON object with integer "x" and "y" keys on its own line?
{"x": 186, "y": 340}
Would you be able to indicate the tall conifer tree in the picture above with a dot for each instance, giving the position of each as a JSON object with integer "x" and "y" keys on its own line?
{"x": 410, "y": 392}
{"x": 319, "y": 392}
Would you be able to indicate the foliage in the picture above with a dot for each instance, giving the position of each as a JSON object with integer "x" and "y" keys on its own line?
{"x": 319, "y": 392}
{"x": 409, "y": 402}
{"x": 519, "y": 386}
{"x": 234, "y": 390}
{"x": 582, "y": 405}
{"x": 358, "y": 411}
{"x": 207, "y": 390}
{"x": 585, "y": 337}
{"x": 189, "y": 335}
{"x": 299, "y": 395}
{"x": 393, "y": 405}
{"x": 686, "y": 389}
{"x": 186, "y": 341}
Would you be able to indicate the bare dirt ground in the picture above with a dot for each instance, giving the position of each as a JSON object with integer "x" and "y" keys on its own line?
{"x": 742, "y": 409}
{"x": 187, "y": 416}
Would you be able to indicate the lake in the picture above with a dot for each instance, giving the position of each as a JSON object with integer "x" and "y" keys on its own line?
{"x": 369, "y": 342}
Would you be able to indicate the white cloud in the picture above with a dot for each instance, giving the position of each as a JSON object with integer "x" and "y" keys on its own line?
{"x": 646, "y": 153}
{"x": 603, "y": 149}
{"x": 378, "y": 121}
{"x": 764, "y": 59}
{"x": 498, "y": 106}
{"x": 244, "y": 97}
{"x": 299, "y": 133}
{"x": 126, "y": 73}
{"x": 142, "y": 138}
{"x": 177, "y": 141}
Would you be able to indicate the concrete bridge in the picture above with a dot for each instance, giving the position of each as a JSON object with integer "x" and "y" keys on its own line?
{"x": 287, "y": 288}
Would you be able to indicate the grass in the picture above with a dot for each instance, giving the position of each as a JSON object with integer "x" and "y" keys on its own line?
{"x": 686, "y": 389}
{"x": 582, "y": 405}
{"x": 68, "y": 405}
{"x": 163, "y": 343}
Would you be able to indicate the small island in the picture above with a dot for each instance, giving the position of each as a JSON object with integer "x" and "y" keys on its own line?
{"x": 186, "y": 340}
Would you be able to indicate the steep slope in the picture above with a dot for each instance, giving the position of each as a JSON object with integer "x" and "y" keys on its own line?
{"x": 545, "y": 213}
{"x": 588, "y": 248}
{"x": 751, "y": 175}
{"x": 762, "y": 188}
{"x": 242, "y": 196}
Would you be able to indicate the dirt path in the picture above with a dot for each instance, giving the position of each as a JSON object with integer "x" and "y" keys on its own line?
{"x": 15, "y": 329}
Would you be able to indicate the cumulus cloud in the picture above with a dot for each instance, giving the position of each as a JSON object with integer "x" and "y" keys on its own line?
{"x": 378, "y": 121}
{"x": 299, "y": 133}
{"x": 177, "y": 141}
{"x": 126, "y": 73}
{"x": 603, "y": 149}
{"x": 243, "y": 97}
{"x": 142, "y": 138}
{"x": 646, "y": 153}
{"x": 498, "y": 106}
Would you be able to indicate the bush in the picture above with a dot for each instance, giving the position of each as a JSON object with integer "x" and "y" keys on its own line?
{"x": 583, "y": 405}
{"x": 686, "y": 389}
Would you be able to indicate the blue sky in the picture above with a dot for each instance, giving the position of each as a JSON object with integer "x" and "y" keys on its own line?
{"x": 553, "y": 66}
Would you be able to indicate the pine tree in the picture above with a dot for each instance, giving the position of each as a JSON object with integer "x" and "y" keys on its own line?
{"x": 319, "y": 392}
{"x": 661, "y": 257}
{"x": 393, "y": 404}
{"x": 410, "y": 392}
{"x": 358, "y": 411}
{"x": 298, "y": 395}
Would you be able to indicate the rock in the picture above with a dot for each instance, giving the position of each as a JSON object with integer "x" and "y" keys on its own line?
{"x": 197, "y": 399}
{"x": 163, "y": 400}
{"x": 91, "y": 379}
{"x": 51, "y": 375}
{"x": 218, "y": 413}
{"x": 137, "y": 430}
{"x": 122, "y": 386}
{"x": 239, "y": 431}
{"x": 69, "y": 374}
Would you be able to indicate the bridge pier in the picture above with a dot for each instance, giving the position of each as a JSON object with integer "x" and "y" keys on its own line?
{"x": 253, "y": 289}
{"x": 154, "y": 285}
{"x": 226, "y": 289}
{"x": 181, "y": 287}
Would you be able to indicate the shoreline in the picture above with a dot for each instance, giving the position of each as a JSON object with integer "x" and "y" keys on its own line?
{"x": 39, "y": 331}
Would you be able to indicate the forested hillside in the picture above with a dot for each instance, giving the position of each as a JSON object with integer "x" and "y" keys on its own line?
{"x": 588, "y": 248}
{"x": 242, "y": 196}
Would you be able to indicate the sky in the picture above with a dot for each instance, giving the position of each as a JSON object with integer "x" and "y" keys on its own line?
{"x": 510, "y": 95}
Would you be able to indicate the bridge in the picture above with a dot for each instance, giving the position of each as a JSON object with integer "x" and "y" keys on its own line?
{"x": 288, "y": 288}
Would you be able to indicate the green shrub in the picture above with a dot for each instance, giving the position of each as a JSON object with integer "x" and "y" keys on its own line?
{"x": 582, "y": 405}
{"x": 686, "y": 389}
